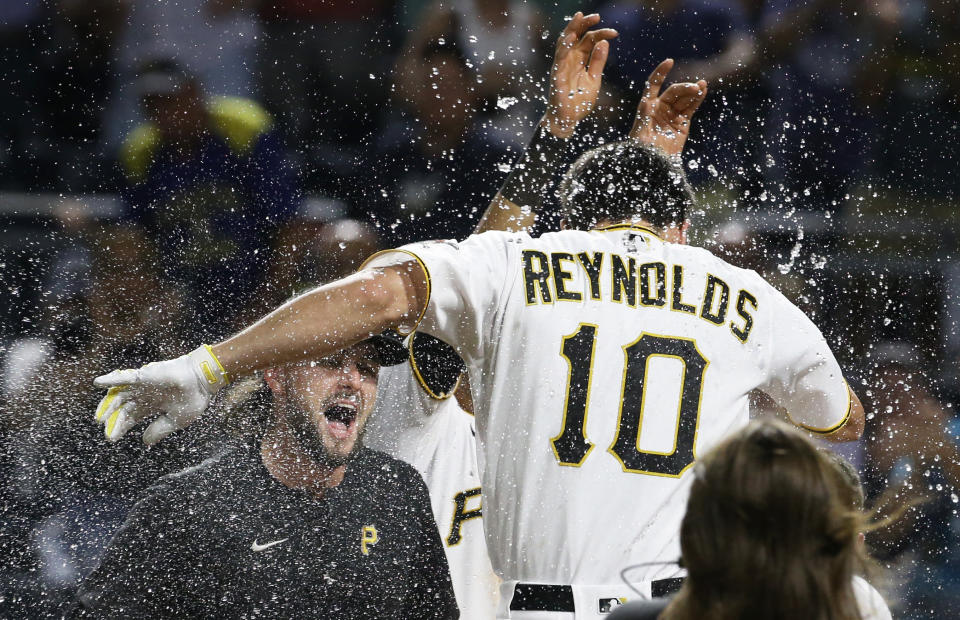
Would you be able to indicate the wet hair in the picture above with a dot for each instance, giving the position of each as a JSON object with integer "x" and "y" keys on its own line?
{"x": 625, "y": 180}
{"x": 768, "y": 533}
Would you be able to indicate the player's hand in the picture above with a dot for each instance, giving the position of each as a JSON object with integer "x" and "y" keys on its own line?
{"x": 663, "y": 120}
{"x": 576, "y": 73}
{"x": 179, "y": 390}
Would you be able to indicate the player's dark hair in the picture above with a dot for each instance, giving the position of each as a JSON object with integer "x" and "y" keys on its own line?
{"x": 623, "y": 181}
{"x": 848, "y": 480}
{"x": 768, "y": 533}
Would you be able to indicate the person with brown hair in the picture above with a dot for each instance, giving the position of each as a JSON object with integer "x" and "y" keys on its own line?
{"x": 771, "y": 531}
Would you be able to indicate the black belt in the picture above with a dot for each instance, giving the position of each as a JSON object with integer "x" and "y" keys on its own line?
{"x": 547, "y": 597}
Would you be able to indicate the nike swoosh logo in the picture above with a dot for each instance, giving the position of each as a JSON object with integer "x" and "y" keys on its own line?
{"x": 256, "y": 547}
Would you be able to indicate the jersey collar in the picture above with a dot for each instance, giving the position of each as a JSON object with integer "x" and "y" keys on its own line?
{"x": 626, "y": 226}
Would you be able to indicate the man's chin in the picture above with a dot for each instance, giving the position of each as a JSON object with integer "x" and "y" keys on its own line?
{"x": 331, "y": 458}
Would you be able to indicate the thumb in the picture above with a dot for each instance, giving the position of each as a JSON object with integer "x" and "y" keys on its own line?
{"x": 158, "y": 429}
{"x": 644, "y": 112}
{"x": 116, "y": 378}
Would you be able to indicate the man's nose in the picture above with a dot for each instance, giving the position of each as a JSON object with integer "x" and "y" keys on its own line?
{"x": 350, "y": 375}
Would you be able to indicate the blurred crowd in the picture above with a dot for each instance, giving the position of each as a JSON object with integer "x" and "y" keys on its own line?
{"x": 251, "y": 148}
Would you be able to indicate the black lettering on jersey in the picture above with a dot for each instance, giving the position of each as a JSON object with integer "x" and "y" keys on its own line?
{"x": 677, "y": 301}
{"x": 461, "y": 515}
{"x": 659, "y": 273}
{"x": 536, "y": 278}
{"x": 744, "y": 298}
{"x": 592, "y": 268}
{"x": 624, "y": 279}
{"x": 560, "y": 277}
{"x": 706, "y": 311}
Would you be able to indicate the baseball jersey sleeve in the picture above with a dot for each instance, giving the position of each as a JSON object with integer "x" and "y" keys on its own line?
{"x": 466, "y": 286}
{"x": 803, "y": 376}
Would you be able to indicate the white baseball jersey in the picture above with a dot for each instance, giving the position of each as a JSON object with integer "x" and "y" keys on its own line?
{"x": 602, "y": 363}
{"x": 869, "y": 601}
{"x": 438, "y": 438}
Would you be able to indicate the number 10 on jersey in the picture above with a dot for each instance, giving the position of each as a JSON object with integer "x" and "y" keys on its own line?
{"x": 572, "y": 446}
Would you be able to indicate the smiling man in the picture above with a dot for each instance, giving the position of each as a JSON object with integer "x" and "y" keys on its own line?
{"x": 303, "y": 522}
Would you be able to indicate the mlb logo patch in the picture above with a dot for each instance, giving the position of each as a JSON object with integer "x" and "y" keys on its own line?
{"x": 607, "y": 605}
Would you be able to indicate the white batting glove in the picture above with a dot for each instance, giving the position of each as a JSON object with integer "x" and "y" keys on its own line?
{"x": 178, "y": 389}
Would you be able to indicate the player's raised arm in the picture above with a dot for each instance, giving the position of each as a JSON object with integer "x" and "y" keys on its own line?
{"x": 662, "y": 120}
{"x": 575, "y": 78}
{"x": 313, "y": 325}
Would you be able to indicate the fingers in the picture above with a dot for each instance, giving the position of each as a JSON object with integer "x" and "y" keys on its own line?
{"x": 652, "y": 88}
{"x": 580, "y": 23}
{"x": 598, "y": 59}
{"x": 571, "y": 32}
{"x": 577, "y": 34}
{"x": 684, "y": 99}
{"x": 701, "y": 95}
{"x": 119, "y": 422}
{"x": 116, "y": 378}
{"x": 115, "y": 398}
{"x": 158, "y": 429}
{"x": 594, "y": 37}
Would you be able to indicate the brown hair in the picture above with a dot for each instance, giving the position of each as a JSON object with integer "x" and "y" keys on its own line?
{"x": 767, "y": 533}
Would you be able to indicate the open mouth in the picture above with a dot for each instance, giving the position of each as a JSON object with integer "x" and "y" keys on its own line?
{"x": 340, "y": 419}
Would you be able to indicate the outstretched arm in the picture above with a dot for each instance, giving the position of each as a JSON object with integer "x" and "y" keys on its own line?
{"x": 327, "y": 319}
{"x": 313, "y": 325}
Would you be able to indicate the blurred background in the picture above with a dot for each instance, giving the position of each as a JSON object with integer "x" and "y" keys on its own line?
{"x": 171, "y": 170}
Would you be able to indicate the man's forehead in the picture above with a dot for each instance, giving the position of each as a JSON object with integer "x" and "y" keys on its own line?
{"x": 363, "y": 351}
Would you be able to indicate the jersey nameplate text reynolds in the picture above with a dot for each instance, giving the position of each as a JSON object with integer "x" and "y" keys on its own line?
{"x": 620, "y": 279}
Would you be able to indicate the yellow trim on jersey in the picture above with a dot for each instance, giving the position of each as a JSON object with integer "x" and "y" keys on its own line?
{"x": 836, "y": 427}
{"x": 625, "y": 226}
{"x": 461, "y": 514}
{"x": 426, "y": 273}
{"x": 423, "y": 383}
{"x": 676, "y": 433}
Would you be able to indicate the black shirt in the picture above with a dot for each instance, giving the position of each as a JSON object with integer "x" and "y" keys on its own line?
{"x": 225, "y": 539}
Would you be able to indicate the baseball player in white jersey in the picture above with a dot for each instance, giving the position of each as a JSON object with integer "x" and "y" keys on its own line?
{"x": 417, "y": 420}
{"x": 613, "y": 334}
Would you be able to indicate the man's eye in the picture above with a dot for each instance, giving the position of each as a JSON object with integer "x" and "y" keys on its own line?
{"x": 368, "y": 369}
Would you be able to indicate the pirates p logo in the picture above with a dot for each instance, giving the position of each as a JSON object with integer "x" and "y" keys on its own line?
{"x": 368, "y": 538}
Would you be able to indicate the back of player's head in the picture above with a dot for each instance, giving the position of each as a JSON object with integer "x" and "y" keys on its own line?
{"x": 622, "y": 181}
{"x": 767, "y": 532}
{"x": 847, "y": 478}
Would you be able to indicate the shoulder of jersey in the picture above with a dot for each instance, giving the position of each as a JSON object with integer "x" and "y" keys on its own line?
{"x": 499, "y": 236}
{"x": 711, "y": 262}
{"x": 197, "y": 481}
